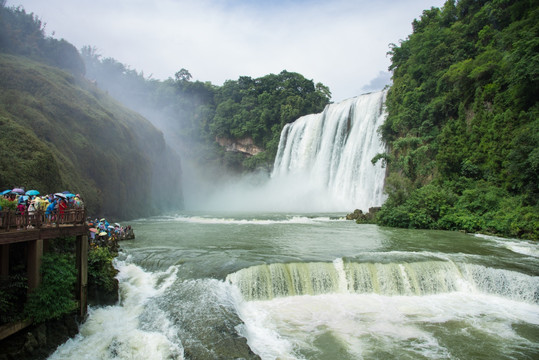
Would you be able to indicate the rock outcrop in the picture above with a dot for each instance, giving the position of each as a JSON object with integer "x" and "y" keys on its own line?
{"x": 244, "y": 145}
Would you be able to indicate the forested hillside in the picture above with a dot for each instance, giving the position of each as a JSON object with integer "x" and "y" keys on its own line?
{"x": 463, "y": 123}
{"x": 58, "y": 131}
{"x": 196, "y": 113}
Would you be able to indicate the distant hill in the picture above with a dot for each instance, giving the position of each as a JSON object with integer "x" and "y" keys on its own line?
{"x": 58, "y": 132}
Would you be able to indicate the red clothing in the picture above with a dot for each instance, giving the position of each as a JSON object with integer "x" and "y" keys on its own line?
{"x": 61, "y": 208}
{"x": 21, "y": 208}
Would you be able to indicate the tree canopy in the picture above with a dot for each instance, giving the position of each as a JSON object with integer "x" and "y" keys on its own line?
{"x": 199, "y": 112}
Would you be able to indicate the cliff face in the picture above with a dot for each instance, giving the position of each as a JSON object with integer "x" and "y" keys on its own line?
{"x": 244, "y": 145}
{"x": 59, "y": 132}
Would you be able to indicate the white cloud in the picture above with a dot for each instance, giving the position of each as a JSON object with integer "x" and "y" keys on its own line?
{"x": 341, "y": 43}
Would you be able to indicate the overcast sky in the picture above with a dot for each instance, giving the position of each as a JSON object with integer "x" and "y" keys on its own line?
{"x": 341, "y": 43}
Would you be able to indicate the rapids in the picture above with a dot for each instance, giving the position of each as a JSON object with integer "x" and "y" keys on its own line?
{"x": 313, "y": 286}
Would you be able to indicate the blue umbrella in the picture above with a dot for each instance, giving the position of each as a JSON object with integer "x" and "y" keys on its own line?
{"x": 32, "y": 193}
{"x": 69, "y": 195}
{"x": 5, "y": 192}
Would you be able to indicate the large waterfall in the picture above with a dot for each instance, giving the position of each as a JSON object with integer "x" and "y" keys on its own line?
{"x": 323, "y": 164}
{"x": 327, "y": 156}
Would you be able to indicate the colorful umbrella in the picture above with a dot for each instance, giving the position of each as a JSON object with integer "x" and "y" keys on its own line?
{"x": 17, "y": 191}
{"x": 93, "y": 230}
{"x": 32, "y": 193}
{"x": 103, "y": 233}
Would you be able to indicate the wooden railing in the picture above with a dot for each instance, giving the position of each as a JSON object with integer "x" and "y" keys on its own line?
{"x": 11, "y": 220}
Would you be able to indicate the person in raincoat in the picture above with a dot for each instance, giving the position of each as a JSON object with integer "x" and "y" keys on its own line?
{"x": 31, "y": 213}
{"x": 49, "y": 212}
{"x": 20, "y": 210}
{"x": 62, "y": 206}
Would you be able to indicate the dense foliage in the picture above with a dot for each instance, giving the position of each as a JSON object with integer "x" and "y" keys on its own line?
{"x": 55, "y": 295}
{"x": 13, "y": 295}
{"x": 463, "y": 120}
{"x": 101, "y": 272}
{"x": 196, "y": 113}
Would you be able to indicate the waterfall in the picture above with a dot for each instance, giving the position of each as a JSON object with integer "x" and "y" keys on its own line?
{"x": 265, "y": 282}
{"x": 328, "y": 155}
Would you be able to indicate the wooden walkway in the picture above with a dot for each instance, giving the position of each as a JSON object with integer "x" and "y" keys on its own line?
{"x": 36, "y": 230}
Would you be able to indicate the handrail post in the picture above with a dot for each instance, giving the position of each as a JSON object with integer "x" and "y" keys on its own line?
{"x": 39, "y": 218}
{"x": 8, "y": 220}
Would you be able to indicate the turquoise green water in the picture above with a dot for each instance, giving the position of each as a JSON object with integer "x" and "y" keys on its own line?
{"x": 295, "y": 286}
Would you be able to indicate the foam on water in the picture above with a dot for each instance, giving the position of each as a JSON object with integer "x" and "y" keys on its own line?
{"x": 116, "y": 332}
{"x": 359, "y": 325}
{"x": 234, "y": 221}
{"x": 422, "y": 309}
{"x": 523, "y": 247}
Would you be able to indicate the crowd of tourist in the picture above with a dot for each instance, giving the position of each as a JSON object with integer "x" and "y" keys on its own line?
{"x": 52, "y": 209}
{"x": 31, "y": 202}
{"x": 101, "y": 232}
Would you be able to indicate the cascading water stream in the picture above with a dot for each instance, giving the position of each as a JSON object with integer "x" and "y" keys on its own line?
{"x": 266, "y": 282}
{"x": 328, "y": 155}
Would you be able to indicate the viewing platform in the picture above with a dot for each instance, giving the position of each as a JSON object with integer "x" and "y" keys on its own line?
{"x": 25, "y": 227}
{"x": 34, "y": 231}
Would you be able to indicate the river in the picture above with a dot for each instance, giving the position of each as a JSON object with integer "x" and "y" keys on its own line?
{"x": 315, "y": 286}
